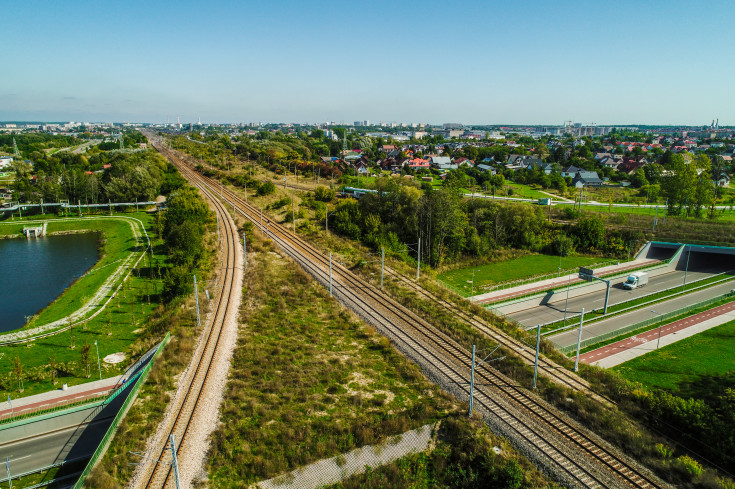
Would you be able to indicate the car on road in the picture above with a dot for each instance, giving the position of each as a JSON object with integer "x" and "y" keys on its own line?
{"x": 635, "y": 280}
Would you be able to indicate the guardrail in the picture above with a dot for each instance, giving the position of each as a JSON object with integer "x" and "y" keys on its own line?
{"x": 141, "y": 376}
{"x": 20, "y": 414}
{"x": 660, "y": 318}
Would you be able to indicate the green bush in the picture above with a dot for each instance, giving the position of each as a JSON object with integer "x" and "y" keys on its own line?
{"x": 266, "y": 189}
{"x": 281, "y": 203}
{"x": 324, "y": 194}
{"x": 691, "y": 466}
{"x": 664, "y": 451}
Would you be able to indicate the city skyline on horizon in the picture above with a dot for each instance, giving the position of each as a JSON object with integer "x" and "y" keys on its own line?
{"x": 529, "y": 63}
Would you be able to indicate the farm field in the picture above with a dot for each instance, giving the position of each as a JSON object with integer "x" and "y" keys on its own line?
{"x": 515, "y": 269}
{"x": 708, "y": 353}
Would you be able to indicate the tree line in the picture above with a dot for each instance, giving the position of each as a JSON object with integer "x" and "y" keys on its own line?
{"x": 450, "y": 227}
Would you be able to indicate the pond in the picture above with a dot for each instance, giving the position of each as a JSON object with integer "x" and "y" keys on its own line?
{"x": 34, "y": 272}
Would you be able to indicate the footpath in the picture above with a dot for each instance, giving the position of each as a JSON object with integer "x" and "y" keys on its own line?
{"x": 59, "y": 397}
{"x": 635, "y": 346}
{"x": 543, "y": 286}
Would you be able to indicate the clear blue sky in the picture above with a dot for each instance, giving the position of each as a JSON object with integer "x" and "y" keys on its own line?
{"x": 516, "y": 62}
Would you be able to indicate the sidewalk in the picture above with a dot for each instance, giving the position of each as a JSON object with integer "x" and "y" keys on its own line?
{"x": 526, "y": 289}
{"x": 58, "y": 397}
{"x": 635, "y": 346}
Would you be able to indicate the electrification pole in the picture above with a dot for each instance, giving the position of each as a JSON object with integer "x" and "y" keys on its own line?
{"x": 535, "y": 364}
{"x": 196, "y": 296}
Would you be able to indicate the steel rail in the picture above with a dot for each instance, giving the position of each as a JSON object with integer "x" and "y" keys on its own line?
{"x": 161, "y": 476}
{"x": 314, "y": 260}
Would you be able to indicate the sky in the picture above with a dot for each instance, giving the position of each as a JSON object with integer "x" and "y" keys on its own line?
{"x": 472, "y": 62}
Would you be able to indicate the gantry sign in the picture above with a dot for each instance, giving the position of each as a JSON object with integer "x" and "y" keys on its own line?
{"x": 589, "y": 275}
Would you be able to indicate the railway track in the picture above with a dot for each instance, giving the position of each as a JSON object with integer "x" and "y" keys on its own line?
{"x": 159, "y": 473}
{"x": 578, "y": 458}
{"x": 551, "y": 369}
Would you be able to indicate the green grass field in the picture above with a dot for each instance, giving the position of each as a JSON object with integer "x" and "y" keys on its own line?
{"x": 515, "y": 269}
{"x": 524, "y": 191}
{"x": 308, "y": 380}
{"x": 117, "y": 243}
{"x": 709, "y": 352}
{"x": 115, "y": 329}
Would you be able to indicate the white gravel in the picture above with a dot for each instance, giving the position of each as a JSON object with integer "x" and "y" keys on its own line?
{"x": 192, "y": 460}
{"x": 192, "y": 457}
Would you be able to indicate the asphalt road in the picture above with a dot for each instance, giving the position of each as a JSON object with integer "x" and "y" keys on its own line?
{"x": 50, "y": 448}
{"x": 599, "y": 327}
{"x": 701, "y": 267}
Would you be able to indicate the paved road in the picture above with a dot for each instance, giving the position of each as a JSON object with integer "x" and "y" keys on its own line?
{"x": 701, "y": 266}
{"x": 69, "y": 443}
{"x": 599, "y": 327}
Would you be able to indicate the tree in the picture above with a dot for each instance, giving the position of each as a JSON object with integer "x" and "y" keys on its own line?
{"x": 590, "y": 233}
{"x": 18, "y": 371}
{"x": 52, "y": 364}
{"x": 84, "y": 357}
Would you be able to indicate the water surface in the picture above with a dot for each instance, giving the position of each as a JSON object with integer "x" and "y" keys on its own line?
{"x": 33, "y": 272}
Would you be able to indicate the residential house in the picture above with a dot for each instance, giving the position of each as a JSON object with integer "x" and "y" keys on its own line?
{"x": 611, "y": 162}
{"x": 484, "y": 167}
{"x": 443, "y": 163}
{"x": 570, "y": 171}
{"x": 464, "y": 161}
{"x": 419, "y": 164}
{"x": 586, "y": 179}
{"x": 536, "y": 164}
{"x": 723, "y": 181}
{"x": 630, "y": 165}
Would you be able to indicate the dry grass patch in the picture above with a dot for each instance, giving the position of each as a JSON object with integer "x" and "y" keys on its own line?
{"x": 309, "y": 380}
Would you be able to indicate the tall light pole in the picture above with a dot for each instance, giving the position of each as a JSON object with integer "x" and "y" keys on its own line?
{"x": 473, "y": 282}
{"x": 566, "y": 302}
{"x": 99, "y": 365}
{"x": 7, "y": 467}
{"x": 579, "y": 341}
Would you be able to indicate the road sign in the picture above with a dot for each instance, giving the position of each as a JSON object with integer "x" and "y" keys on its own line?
{"x": 586, "y": 274}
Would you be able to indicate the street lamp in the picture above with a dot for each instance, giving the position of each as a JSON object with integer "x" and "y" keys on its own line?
{"x": 99, "y": 365}
{"x": 661, "y": 324}
{"x": 473, "y": 282}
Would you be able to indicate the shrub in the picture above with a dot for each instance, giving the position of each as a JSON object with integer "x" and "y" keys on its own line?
{"x": 281, "y": 203}
{"x": 691, "y": 466}
{"x": 266, "y": 189}
{"x": 324, "y": 194}
{"x": 664, "y": 451}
